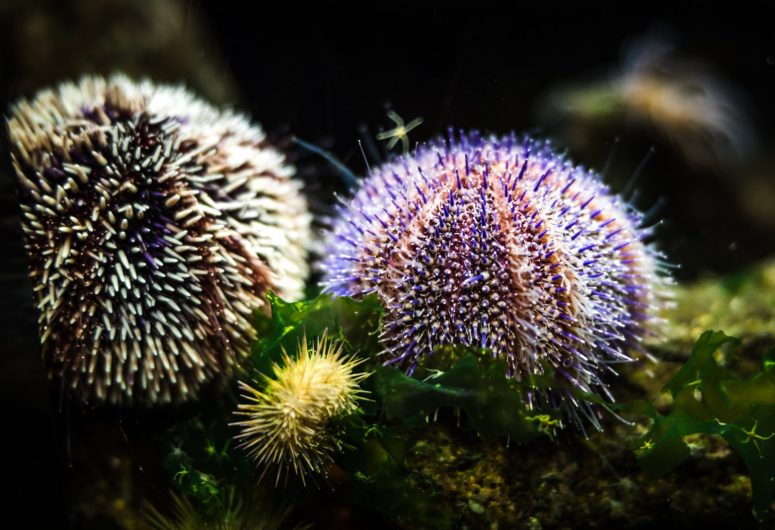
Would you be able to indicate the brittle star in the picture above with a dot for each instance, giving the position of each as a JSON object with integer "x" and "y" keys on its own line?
{"x": 751, "y": 435}
{"x": 399, "y": 132}
{"x": 754, "y": 437}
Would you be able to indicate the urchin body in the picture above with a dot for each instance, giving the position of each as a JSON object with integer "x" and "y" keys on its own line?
{"x": 286, "y": 423}
{"x": 502, "y": 244}
{"x": 154, "y": 225}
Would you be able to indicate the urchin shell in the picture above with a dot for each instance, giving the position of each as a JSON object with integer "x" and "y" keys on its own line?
{"x": 503, "y": 244}
{"x": 154, "y": 225}
{"x": 286, "y": 423}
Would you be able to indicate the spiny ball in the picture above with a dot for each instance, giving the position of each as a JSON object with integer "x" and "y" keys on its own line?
{"x": 286, "y": 426}
{"x": 154, "y": 225}
{"x": 499, "y": 243}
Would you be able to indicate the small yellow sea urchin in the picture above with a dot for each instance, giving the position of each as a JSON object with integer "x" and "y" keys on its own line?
{"x": 154, "y": 226}
{"x": 287, "y": 423}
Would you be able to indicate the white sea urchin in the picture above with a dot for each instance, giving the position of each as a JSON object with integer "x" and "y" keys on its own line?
{"x": 154, "y": 225}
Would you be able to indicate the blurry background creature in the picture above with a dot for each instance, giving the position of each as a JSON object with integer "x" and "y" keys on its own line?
{"x": 235, "y": 512}
{"x": 711, "y": 178}
{"x": 681, "y": 99}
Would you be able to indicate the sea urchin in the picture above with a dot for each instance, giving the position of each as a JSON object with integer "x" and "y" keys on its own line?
{"x": 287, "y": 422}
{"x": 502, "y": 244}
{"x": 154, "y": 226}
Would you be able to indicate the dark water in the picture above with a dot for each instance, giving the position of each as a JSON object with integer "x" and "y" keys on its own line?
{"x": 326, "y": 76}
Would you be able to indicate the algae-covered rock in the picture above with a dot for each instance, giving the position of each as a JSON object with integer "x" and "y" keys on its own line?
{"x": 743, "y": 305}
{"x": 575, "y": 483}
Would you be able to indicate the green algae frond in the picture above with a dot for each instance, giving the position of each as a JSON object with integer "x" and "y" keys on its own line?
{"x": 709, "y": 398}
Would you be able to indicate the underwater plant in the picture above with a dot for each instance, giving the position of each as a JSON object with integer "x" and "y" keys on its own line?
{"x": 155, "y": 224}
{"x": 709, "y": 398}
{"x": 287, "y": 425}
{"x": 502, "y": 244}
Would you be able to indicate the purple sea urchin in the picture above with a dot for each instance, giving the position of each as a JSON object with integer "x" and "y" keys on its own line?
{"x": 503, "y": 244}
{"x": 154, "y": 226}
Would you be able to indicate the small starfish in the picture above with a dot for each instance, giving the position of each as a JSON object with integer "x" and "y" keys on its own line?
{"x": 754, "y": 437}
{"x": 399, "y": 132}
{"x": 751, "y": 436}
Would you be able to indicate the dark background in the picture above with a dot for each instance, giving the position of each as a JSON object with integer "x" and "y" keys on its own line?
{"x": 324, "y": 75}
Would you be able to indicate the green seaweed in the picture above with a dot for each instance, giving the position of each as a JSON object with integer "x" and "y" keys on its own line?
{"x": 378, "y": 479}
{"x": 709, "y": 398}
{"x": 214, "y": 484}
{"x": 201, "y": 461}
{"x": 355, "y": 323}
{"x": 492, "y": 402}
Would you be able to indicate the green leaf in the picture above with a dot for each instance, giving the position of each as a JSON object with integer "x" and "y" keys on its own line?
{"x": 700, "y": 367}
{"x": 709, "y": 399}
{"x": 492, "y": 402}
{"x": 355, "y": 323}
{"x": 753, "y": 438}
